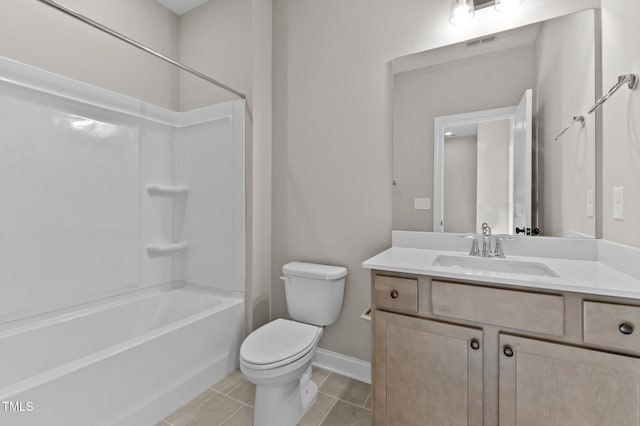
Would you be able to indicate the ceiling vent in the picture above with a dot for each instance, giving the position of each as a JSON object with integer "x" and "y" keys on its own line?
{"x": 481, "y": 41}
{"x": 481, "y": 4}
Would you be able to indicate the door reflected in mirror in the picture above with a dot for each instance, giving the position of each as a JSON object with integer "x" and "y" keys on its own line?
{"x": 482, "y": 169}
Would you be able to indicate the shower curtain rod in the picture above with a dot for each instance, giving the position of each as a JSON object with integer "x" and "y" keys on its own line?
{"x": 140, "y": 46}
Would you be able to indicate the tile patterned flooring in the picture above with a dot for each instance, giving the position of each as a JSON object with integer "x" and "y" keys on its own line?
{"x": 341, "y": 402}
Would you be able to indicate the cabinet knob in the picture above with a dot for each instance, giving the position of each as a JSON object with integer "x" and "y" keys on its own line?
{"x": 475, "y": 344}
{"x": 394, "y": 294}
{"x": 625, "y": 328}
{"x": 507, "y": 351}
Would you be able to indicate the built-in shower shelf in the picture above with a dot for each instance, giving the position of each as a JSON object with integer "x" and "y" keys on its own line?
{"x": 166, "y": 249}
{"x": 167, "y": 190}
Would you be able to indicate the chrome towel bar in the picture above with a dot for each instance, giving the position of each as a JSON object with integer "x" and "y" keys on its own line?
{"x": 631, "y": 80}
{"x": 577, "y": 119}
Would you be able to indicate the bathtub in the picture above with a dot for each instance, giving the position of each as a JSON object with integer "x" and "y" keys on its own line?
{"x": 129, "y": 360}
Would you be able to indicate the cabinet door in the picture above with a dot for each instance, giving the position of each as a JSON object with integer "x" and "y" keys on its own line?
{"x": 551, "y": 384}
{"x": 426, "y": 372}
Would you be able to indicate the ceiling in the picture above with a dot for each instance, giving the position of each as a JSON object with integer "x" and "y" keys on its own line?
{"x": 460, "y": 130}
{"x": 180, "y": 7}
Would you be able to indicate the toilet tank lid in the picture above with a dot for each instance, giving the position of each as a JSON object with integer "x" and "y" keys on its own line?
{"x": 314, "y": 270}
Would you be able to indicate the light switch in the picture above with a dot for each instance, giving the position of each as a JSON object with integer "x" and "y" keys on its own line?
{"x": 618, "y": 202}
{"x": 590, "y": 203}
{"x": 421, "y": 203}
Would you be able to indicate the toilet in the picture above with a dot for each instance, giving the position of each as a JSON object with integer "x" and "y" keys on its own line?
{"x": 277, "y": 357}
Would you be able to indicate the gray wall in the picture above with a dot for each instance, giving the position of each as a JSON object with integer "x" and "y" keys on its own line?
{"x": 565, "y": 86}
{"x": 216, "y": 39}
{"x": 460, "y": 171}
{"x": 35, "y": 34}
{"x": 621, "y": 119}
{"x": 484, "y": 82}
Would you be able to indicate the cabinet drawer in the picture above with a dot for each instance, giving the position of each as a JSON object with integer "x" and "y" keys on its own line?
{"x": 396, "y": 294}
{"x": 606, "y": 324}
{"x": 538, "y": 313}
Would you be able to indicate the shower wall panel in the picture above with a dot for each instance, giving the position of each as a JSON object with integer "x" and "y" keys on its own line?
{"x": 69, "y": 201}
{"x": 76, "y": 218}
{"x": 208, "y": 217}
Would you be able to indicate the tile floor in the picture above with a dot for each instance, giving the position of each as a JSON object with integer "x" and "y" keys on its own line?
{"x": 341, "y": 402}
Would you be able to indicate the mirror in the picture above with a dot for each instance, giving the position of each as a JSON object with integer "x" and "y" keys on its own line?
{"x": 474, "y": 126}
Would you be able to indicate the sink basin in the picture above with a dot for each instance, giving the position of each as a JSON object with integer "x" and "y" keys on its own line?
{"x": 499, "y": 266}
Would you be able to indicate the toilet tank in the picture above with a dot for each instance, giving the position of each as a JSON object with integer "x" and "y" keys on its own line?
{"x": 314, "y": 292}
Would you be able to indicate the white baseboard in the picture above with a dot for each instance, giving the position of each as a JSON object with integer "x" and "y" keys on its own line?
{"x": 342, "y": 364}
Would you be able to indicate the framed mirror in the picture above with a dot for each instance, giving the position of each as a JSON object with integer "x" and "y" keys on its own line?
{"x": 474, "y": 129}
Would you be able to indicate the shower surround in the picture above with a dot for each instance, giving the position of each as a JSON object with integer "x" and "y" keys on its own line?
{"x": 122, "y": 239}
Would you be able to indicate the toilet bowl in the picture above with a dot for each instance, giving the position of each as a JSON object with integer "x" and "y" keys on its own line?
{"x": 277, "y": 357}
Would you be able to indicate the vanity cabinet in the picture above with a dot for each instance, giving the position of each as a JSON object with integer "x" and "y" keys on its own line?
{"x": 454, "y": 352}
{"x": 427, "y": 373}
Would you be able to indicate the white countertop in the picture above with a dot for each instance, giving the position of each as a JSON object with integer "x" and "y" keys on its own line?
{"x": 581, "y": 276}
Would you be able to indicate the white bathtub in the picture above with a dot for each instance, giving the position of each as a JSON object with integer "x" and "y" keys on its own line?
{"x": 129, "y": 360}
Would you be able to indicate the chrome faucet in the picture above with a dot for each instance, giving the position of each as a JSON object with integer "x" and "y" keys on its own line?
{"x": 486, "y": 240}
{"x": 497, "y": 251}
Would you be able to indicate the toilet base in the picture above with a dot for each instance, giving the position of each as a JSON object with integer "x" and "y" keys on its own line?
{"x": 286, "y": 404}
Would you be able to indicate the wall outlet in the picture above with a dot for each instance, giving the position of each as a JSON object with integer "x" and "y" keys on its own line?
{"x": 590, "y": 203}
{"x": 618, "y": 203}
{"x": 422, "y": 203}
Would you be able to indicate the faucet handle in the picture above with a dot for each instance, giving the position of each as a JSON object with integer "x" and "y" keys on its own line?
{"x": 475, "y": 250}
{"x": 498, "y": 251}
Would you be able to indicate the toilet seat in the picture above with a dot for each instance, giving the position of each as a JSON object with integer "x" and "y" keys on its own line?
{"x": 279, "y": 343}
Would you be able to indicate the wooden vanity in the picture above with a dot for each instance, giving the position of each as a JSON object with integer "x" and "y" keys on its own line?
{"x": 457, "y": 352}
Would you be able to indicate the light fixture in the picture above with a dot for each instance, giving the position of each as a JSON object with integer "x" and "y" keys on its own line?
{"x": 461, "y": 11}
{"x": 449, "y": 134}
{"x": 506, "y": 5}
